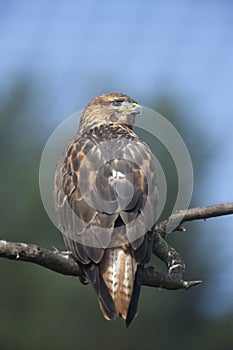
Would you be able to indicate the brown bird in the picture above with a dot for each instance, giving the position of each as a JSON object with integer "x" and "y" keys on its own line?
{"x": 105, "y": 195}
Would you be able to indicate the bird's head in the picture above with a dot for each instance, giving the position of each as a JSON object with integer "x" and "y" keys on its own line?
{"x": 110, "y": 108}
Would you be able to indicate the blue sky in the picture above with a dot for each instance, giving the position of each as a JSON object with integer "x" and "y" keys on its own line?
{"x": 76, "y": 50}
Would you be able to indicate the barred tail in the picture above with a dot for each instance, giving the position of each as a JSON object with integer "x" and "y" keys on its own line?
{"x": 118, "y": 269}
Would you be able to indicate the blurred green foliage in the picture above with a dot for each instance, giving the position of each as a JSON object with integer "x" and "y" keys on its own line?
{"x": 40, "y": 309}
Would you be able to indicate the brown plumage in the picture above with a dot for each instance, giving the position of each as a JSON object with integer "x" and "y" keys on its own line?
{"x": 106, "y": 197}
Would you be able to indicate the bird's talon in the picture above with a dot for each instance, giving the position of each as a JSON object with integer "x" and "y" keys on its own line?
{"x": 181, "y": 228}
{"x": 66, "y": 254}
{"x": 83, "y": 280}
{"x": 55, "y": 250}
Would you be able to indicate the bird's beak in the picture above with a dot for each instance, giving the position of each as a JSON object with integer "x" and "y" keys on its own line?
{"x": 131, "y": 108}
{"x": 136, "y": 109}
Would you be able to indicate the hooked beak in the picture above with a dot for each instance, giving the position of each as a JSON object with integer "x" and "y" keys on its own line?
{"x": 132, "y": 108}
{"x": 136, "y": 109}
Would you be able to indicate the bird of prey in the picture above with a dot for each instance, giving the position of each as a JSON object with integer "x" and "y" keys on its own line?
{"x": 105, "y": 197}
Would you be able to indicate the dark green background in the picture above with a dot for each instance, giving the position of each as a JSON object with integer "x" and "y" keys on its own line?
{"x": 40, "y": 309}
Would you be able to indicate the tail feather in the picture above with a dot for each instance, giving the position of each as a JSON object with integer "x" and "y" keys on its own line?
{"x": 118, "y": 270}
{"x": 117, "y": 282}
{"x": 105, "y": 299}
{"x": 133, "y": 306}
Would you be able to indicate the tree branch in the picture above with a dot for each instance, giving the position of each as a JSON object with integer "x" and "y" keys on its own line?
{"x": 66, "y": 265}
{"x": 173, "y": 279}
{"x": 32, "y": 253}
{"x": 198, "y": 213}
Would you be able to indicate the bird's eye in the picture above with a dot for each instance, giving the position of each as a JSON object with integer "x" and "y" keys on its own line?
{"x": 117, "y": 103}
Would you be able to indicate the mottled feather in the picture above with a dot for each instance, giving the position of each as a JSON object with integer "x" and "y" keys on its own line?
{"x": 106, "y": 197}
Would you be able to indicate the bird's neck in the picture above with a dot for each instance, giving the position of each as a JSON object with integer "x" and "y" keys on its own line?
{"x": 86, "y": 127}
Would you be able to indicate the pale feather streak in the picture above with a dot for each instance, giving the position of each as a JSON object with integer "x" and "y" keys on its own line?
{"x": 119, "y": 277}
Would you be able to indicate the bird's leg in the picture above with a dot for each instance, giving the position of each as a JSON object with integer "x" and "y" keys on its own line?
{"x": 65, "y": 254}
{"x": 68, "y": 255}
{"x": 173, "y": 279}
{"x": 168, "y": 255}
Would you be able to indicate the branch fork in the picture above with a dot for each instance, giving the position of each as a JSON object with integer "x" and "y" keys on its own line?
{"x": 172, "y": 280}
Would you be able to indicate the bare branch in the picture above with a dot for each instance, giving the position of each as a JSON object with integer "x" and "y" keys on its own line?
{"x": 153, "y": 278}
{"x": 40, "y": 256}
{"x": 199, "y": 213}
{"x": 67, "y": 266}
{"x": 171, "y": 280}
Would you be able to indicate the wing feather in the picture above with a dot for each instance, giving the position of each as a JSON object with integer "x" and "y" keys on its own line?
{"x": 96, "y": 192}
